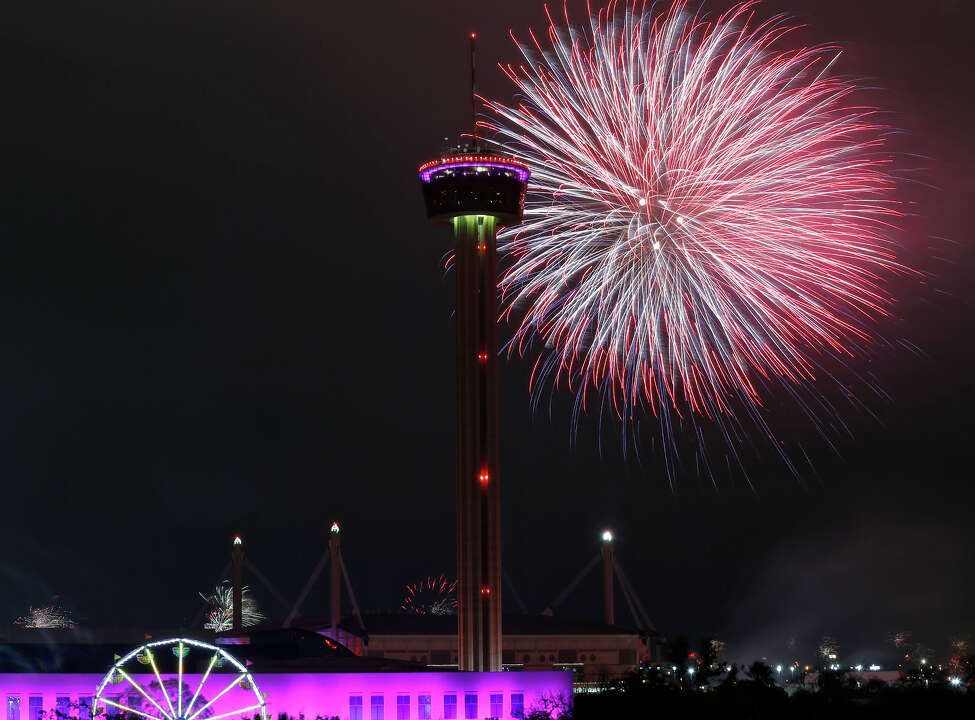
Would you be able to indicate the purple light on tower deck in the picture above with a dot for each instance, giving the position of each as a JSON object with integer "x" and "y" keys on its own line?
{"x": 428, "y": 169}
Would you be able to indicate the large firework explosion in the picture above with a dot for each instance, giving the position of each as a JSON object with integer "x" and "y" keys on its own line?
{"x": 46, "y": 616}
{"x": 707, "y": 224}
{"x": 220, "y": 613}
{"x": 433, "y": 596}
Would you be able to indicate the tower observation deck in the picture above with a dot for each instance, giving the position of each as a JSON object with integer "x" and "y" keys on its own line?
{"x": 476, "y": 193}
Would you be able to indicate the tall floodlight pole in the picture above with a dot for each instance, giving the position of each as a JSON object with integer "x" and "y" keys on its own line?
{"x": 609, "y": 616}
{"x": 476, "y": 193}
{"x": 238, "y": 593}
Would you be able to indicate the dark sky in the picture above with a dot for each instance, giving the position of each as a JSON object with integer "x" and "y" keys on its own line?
{"x": 225, "y": 311}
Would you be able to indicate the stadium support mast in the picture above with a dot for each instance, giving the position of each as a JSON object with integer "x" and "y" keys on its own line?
{"x": 335, "y": 581}
{"x": 237, "y": 558}
{"x": 609, "y": 616}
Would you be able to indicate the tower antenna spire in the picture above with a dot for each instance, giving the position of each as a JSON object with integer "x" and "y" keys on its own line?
{"x": 473, "y": 94}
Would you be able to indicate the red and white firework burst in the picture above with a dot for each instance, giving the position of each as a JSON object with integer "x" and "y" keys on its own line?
{"x": 708, "y": 221}
{"x": 433, "y": 596}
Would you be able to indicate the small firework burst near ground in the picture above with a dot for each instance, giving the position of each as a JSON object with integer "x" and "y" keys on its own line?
{"x": 220, "y": 612}
{"x": 46, "y": 616}
{"x": 433, "y": 596}
{"x": 708, "y": 223}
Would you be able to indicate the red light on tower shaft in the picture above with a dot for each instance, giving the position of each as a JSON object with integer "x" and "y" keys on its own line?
{"x": 484, "y": 478}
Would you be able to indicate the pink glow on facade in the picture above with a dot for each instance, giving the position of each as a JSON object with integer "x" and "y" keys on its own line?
{"x": 328, "y": 694}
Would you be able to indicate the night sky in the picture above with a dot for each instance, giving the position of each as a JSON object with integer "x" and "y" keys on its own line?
{"x": 224, "y": 311}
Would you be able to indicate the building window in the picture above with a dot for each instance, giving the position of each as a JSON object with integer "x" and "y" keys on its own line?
{"x": 62, "y": 705}
{"x": 84, "y": 707}
{"x": 497, "y": 705}
{"x": 13, "y": 707}
{"x": 376, "y": 704}
{"x": 470, "y": 706}
{"x": 355, "y": 707}
{"x": 449, "y": 707}
{"x": 424, "y": 708}
{"x": 528, "y": 659}
{"x": 402, "y": 707}
{"x": 517, "y": 705}
{"x": 35, "y": 707}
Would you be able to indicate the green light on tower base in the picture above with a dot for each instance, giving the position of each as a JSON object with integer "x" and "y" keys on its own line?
{"x": 479, "y": 228}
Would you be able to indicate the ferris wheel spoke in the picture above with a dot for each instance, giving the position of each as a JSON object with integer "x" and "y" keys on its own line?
{"x": 126, "y": 708}
{"x": 219, "y": 695}
{"x": 146, "y": 695}
{"x": 179, "y": 682}
{"x": 162, "y": 686}
{"x": 203, "y": 680}
{"x": 234, "y": 712}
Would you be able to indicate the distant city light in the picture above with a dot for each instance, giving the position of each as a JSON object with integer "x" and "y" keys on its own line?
{"x": 858, "y": 668}
{"x": 874, "y": 667}
{"x": 778, "y": 668}
{"x": 955, "y": 681}
{"x": 690, "y": 671}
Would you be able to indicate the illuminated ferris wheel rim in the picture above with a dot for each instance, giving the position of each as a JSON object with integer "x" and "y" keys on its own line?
{"x": 450, "y": 162}
{"x": 179, "y": 713}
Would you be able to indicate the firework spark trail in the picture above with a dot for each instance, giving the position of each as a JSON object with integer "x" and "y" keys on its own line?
{"x": 709, "y": 217}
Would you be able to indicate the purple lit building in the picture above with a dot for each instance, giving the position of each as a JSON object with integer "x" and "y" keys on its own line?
{"x": 350, "y": 696}
{"x": 255, "y": 675}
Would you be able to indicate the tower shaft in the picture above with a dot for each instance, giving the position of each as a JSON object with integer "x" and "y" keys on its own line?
{"x": 478, "y": 491}
{"x": 476, "y": 193}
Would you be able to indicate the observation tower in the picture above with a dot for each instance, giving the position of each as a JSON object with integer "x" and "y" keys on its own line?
{"x": 476, "y": 192}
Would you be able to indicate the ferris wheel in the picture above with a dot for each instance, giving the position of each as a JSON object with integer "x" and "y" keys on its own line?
{"x": 168, "y": 680}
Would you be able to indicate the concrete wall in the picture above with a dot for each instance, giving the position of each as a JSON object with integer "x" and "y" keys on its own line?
{"x": 598, "y": 656}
